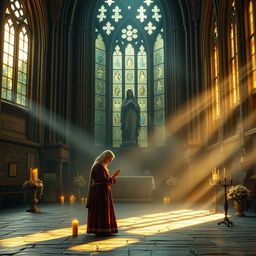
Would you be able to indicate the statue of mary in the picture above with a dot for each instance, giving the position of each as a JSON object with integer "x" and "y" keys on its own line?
{"x": 130, "y": 120}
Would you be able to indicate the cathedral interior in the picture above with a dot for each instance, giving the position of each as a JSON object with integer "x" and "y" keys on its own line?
{"x": 65, "y": 68}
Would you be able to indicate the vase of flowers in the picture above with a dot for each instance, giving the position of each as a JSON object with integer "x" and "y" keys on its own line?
{"x": 79, "y": 182}
{"x": 170, "y": 182}
{"x": 35, "y": 186}
{"x": 238, "y": 194}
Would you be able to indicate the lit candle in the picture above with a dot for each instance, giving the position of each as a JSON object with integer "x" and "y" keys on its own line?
{"x": 75, "y": 223}
{"x": 214, "y": 175}
{"x": 82, "y": 200}
{"x": 34, "y": 174}
{"x": 166, "y": 200}
{"x": 62, "y": 199}
{"x": 225, "y": 173}
{"x": 72, "y": 199}
{"x": 218, "y": 174}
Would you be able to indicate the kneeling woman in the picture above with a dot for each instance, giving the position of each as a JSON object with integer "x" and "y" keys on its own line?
{"x": 101, "y": 214}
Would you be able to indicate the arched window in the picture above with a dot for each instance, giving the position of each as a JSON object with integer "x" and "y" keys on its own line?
{"x": 133, "y": 35}
{"x": 215, "y": 80}
{"x": 251, "y": 39}
{"x": 233, "y": 60}
{"x": 15, "y": 62}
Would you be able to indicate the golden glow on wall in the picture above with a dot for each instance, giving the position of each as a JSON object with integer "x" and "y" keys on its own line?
{"x": 251, "y": 13}
{"x": 215, "y": 76}
{"x": 216, "y": 84}
{"x": 234, "y": 64}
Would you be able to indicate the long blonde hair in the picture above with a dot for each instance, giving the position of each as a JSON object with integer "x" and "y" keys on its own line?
{"x": 103, "y": 156}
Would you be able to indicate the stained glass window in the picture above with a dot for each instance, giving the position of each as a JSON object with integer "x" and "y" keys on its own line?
{"x": 234, "y": 90}
{"x": 142, "y": 95}
{"x": 129, "y": 30}
{"x": 159, "y": 102}
{"x": 129, "y": 68}
{"x": 117, "y": 96}
{"x": 100, "y": 90}
{"x": 251, "y": 20}
{"x": 14, "y": 84}
{"x": 215, "y": 75}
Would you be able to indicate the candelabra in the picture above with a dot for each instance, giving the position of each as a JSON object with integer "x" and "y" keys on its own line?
{"x": 214, "y": 181}
{"x": 214, "y": 184}
{"x": 226, "y": 220}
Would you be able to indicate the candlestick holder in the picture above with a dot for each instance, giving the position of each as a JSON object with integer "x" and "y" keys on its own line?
{"x": 34, "y": 204}
{"x": 226, "y": 220}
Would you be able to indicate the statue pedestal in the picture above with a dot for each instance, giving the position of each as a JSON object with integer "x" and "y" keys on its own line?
{"x": 34, "y": 205}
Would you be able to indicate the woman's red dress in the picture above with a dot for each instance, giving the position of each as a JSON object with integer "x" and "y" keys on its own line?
{"x": 101, "y": 214}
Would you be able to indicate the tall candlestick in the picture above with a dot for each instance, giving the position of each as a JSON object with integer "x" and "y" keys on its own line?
{"x": 75, "y": 223}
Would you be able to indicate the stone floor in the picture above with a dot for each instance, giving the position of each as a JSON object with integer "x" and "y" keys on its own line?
{"x": 145, "y": 229}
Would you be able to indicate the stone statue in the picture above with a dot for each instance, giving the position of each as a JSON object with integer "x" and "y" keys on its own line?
{"x": 130, "y": 120}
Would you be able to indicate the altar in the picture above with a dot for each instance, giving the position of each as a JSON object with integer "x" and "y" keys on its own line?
{"x": 133, "y": 188}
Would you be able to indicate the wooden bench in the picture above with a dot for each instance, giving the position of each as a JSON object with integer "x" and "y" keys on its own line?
{"x": 10, "y": 195}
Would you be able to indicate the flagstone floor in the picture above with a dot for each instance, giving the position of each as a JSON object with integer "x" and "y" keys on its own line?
{"x": 145, "y": 229}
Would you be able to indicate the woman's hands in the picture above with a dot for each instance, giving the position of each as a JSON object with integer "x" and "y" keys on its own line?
{"x": 116, "y": 173}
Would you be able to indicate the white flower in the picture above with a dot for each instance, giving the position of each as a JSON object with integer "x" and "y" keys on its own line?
{"x": 238, "y": 192}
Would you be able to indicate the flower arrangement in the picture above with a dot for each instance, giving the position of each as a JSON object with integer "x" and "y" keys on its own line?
{"x": 79, "y": 180}
{"x": 171, "y": 181}
{"x": 238, "y": 192}
{"x": 34, "y": 184}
